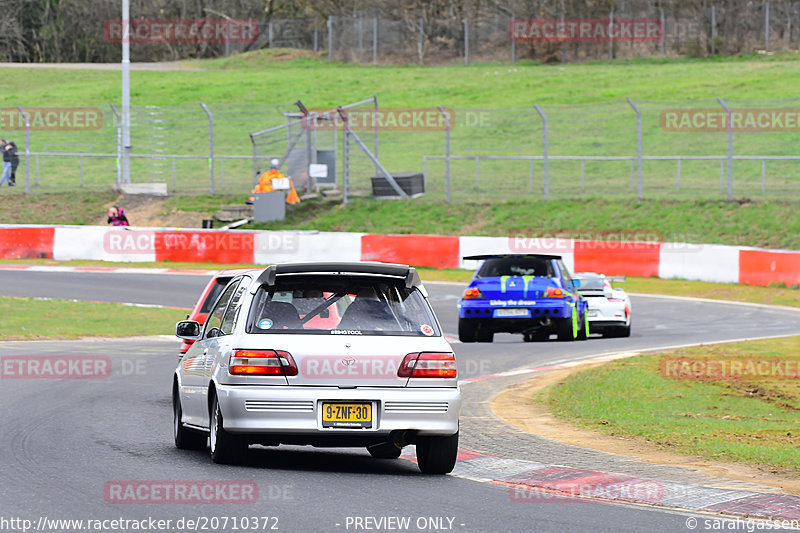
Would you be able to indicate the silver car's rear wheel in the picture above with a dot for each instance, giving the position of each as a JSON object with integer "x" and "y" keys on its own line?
{"x": 225, "y": 448}
{"x": 437, "y": 455}
{"x": 185, "y": 439}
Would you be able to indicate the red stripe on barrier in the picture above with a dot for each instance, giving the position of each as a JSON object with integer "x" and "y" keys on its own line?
{"x": 204, "y": 247}
{"x": 762, "y": 267}
{"x": 436, "y": 251}
{"x": 617, "y": 258}
{"x": 19, "y": 243}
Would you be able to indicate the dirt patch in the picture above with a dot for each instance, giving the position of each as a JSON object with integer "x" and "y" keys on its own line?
{"x": 516, "y": 407}
{"x": 149, "y": 211}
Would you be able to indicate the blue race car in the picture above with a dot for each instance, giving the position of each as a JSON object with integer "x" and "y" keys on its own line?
{"x": 532, "y": 294}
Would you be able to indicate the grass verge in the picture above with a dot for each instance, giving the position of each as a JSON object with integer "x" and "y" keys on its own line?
{"x": 31, "y": 319}
{"x": 744, "y": 420}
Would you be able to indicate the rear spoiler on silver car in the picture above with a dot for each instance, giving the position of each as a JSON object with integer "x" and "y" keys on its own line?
{"x": 409, "y": 274}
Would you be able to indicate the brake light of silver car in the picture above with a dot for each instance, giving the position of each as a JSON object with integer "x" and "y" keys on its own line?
{"x": 262, "y": 363}
{"x": 428, "y": 365}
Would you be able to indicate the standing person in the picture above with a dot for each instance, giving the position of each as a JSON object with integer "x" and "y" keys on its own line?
{"x": 4, "y": 144}
{"x": 11, "y": 149}
{"x": 116, "y": 216}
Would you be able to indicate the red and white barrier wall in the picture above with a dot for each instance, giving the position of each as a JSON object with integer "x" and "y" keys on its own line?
{"x": 727, "y": 264}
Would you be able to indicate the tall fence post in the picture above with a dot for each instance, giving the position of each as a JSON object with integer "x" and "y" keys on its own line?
{"x": 513, "y": 41}
{"x": 766, "y": 26}
{"x": 210, "y": 148}
{"x": 663, "y": 34}
{"x": 466, "y": 41}
{"x": 376, "y": 120}
{"x": 639, "y": 193}
{"x": 545, "y": 147}
{"x": 713, "y": 29}
{"x": 27, "y": 119}
{"x": 611, "y": 35}
{"x": 730, "y": 146}
{"x": 330, "y": 38}
{"x": 421, "y": 43}
{"x": 446, "y": 116}
{"x": 375, "y": 40}
{"x": 345, "y": 158}
{"x": 118, "y": 123}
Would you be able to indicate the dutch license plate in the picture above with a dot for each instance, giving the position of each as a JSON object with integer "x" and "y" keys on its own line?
{"x": 512, "y": 312}
{"x": 346, "y": 415}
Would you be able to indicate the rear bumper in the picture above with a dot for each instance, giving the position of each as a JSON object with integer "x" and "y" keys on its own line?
{"x": 296, "y": 411}
{"x": 485, "y": 309}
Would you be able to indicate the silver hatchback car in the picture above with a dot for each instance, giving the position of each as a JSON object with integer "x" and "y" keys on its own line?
{"x": 326, "y": 354}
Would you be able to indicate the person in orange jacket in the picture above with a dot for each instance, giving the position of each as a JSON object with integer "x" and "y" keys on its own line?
{"x": 265, "y": 184}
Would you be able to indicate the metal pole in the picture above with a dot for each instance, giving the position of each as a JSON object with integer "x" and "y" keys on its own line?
{"x": 639, "y": 193}
{"x": 345, "y": 162}
{"x": 477, "y": 171}
{"x": 255, "y": 162}
{"x": 81, "y": 160}
{"x": 663, "y": 35}
{"x": 766, "y": 26}
{"x": 221, "y": 174}
{"x": 466, "y": 41}
{"x": 421, "y": 43}
{"x": 316, "y": 38}
{"x": 210, "y": 147}
{"x": 730, "y": 146}
{"x": 610, "y": 35}
{"x": 269, "y": 32}
{"x": 173, "y": 175}
{"x": 330, "y": 40}
{"x": 375, "y": 40}
{"x": 513, "y": 43}
{"x": 27, "y": 149}
{"x": 126, "y": 92}
{"x": 713, "y": 28}
{"x": 679, "y": 175}
{"x": 376, "y": 120}
{"x": 446, "y": 153}
{"x": 763, "y": 175}
{"x": 37, "y": 171}
{"x": 119, "y": 143}
{"x": 545, "y": 159}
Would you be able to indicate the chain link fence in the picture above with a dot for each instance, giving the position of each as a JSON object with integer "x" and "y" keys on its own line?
{"x": 512, "y": 32}
{"x": 713, "y": 148}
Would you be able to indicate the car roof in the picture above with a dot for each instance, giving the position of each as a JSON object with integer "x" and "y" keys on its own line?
{"x": 509, "y": 256}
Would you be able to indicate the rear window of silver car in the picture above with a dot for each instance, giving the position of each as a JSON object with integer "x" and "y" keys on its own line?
{"x": 344, "y": 305}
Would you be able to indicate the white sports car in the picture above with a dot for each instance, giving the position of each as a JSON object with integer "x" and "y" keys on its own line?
{"x": 609, "y": 308}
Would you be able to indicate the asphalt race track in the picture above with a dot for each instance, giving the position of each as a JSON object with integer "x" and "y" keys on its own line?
{"x": 65, "y": 442}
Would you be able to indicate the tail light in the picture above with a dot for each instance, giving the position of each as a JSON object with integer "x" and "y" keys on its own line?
{"x": 428, "y": 365}
{"x": 262, "y": 363}
{"x": 554, "y": 292}
{"x": 472, "y": 293}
